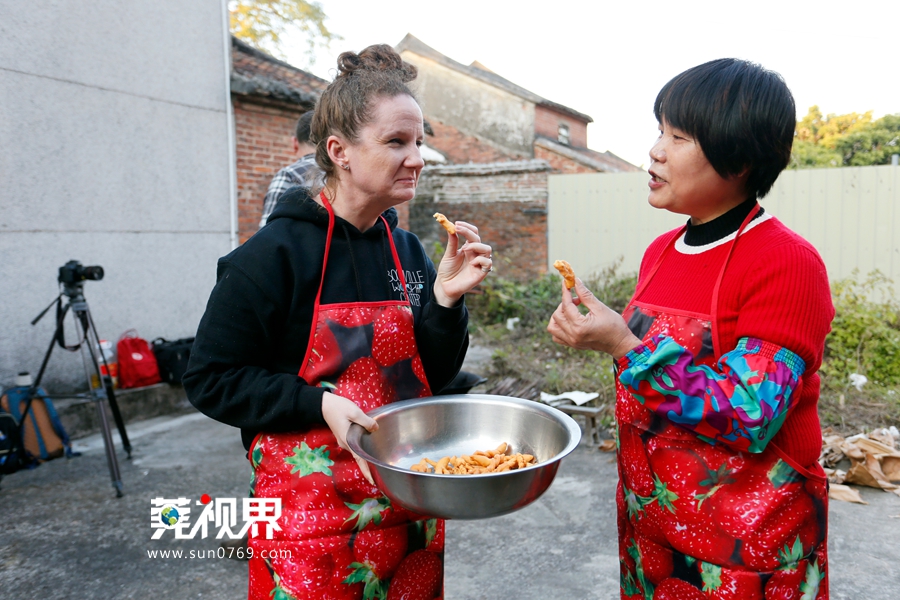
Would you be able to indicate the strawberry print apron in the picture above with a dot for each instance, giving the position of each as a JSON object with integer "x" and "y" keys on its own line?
{"x": 340, "y": 537}
{"x": 700, "y": 520}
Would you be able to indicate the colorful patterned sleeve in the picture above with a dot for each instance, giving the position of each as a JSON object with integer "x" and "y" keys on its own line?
{"x": 741, "y": 403}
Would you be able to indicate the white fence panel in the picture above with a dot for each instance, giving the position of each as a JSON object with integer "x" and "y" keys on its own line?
{"x": 850, "y": 214}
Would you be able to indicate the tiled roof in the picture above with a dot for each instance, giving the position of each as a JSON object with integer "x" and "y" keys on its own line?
{"x": 478, "y": 71}
{"x": 255, "y": 73}
{"x": 494, "y": 168}
{"x": 606, "y": 162}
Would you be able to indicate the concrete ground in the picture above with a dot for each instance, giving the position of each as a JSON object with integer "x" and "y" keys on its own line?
{"x": 65, "y": 535}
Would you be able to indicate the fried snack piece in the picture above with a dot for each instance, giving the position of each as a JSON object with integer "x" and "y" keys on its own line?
{"x": 481, "y": 461}
{"x": 445, "y": 223}
{"x": 565, "y": 269}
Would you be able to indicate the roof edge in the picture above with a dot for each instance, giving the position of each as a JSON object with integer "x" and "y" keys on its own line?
{"x": 417, "y": 46}
{"x": 270, "y": 88}
{"x": 565, "y": 109}
{"x": 574, "y": 154}
{"x": 495, "y": 168}
{"x": 248, "y": 49}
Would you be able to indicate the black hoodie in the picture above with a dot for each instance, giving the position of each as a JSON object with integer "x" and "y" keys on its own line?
{"x": 253, "y": 336}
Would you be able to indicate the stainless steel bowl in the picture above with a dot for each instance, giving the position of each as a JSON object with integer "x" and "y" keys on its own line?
{"x": 461, "y": 424}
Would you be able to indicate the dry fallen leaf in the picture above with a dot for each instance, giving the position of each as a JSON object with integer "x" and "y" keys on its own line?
{"x": 890, "y": 466}
{"x": 873, "y": 447}
{"x": 835, "y": 475}
{"x": 607, "y": 446}
{"x": 845, "y": 493}
{"x": 873, "y": 463}
{"x": 860, "y": 475}
{"x": 852, "y": 451}
{"x": 869, "y": 473}
{"x": 831, "y": 450}
{"x": 883, "y": 436}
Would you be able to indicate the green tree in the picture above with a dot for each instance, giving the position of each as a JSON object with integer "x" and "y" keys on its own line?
{"x": 847, "y": 140}
{"x": 809, "y": 155}
{"x": 264, "y": 23}
{"x": 871, "y": 145}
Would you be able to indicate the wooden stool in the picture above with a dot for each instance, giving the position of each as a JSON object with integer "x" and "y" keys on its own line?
{"x": 589, "y": 413}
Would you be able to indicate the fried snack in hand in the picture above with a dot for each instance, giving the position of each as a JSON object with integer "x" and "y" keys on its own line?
{"x": 445, "y": 223}
{"x": 565, "y": 269}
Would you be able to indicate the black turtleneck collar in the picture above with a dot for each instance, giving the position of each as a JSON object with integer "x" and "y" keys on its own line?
{"x": 721, "y": 226}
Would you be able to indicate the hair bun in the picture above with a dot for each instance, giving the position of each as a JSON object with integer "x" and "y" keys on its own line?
{"x": 376, "y": 58}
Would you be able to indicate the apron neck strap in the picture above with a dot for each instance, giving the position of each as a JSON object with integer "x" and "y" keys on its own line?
{"x": 659, "y": 260}
{"x": 715, "y": 295}
{"x": 328, "y": 236}
{"x": 714, "y": 314}
{"x": 399, "y": 268}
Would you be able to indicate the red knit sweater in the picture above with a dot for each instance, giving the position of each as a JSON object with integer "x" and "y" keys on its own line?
{"x": 775, "y": 288}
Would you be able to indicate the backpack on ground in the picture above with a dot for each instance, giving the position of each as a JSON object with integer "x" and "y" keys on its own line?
{"x": 172, "y": 358}
{"x": 12, "y": 452}
{"x": 42, "y": 434}
{"x": 137, "y": 363}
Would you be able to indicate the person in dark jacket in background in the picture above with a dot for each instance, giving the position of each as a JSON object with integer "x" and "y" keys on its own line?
{"x": 326, "y": 313}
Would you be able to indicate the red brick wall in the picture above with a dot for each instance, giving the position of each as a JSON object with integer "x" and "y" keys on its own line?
{"x": 508, "y": 205}
{"x": 460, "y": 148}
{"x": 403, "y": 215}
{"x": 561, "y": 164}
{"x": 516, "y": 231}
{"x": 263, "y": 135}
{"x": 546, "y": 122}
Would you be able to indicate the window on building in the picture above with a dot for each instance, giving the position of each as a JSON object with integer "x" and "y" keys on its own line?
{"x": 563, "y": 134}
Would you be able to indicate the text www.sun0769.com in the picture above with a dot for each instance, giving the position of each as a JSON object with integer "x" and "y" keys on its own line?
{"x": 220, "y": 552}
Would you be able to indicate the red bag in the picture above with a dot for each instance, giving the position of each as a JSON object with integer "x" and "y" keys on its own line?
{"x": 137, "y": 363}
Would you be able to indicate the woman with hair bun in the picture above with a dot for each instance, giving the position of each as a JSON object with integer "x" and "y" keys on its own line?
{"x": 720, "y": 491}
{"x": 326, "y": 313}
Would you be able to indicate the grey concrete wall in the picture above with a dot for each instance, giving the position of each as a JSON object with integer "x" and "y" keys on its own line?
{"x": 113, "y": 151}
{"x": 474, "y": 107}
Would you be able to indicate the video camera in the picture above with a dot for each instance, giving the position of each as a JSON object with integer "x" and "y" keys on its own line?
{"x": 74, "y": 272}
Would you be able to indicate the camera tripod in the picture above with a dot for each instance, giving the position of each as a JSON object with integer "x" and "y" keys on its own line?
{"x": 87, "y": 332}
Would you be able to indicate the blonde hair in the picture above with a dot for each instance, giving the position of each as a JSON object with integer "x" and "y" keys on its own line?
{"x": 346, "y": 104}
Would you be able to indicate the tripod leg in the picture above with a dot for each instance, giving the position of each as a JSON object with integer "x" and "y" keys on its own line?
{"x": 117, "y": 417}
{"x": 110, "y": 394}
{"x": 37, "y": 380}
{"x": 99, "y": 394}
{"x": 110, "y": 449}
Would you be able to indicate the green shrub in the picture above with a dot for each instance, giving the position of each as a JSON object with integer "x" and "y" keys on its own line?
{"x": 865, "y": 333}
{"x": 865, "y": 339}
{"x": 527, "y": 354}
{"x": 533, "y": 302}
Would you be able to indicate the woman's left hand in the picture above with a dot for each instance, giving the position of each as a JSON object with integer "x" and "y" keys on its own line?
{"x": 462, "y": 267}
{"x": 601, "y": 329}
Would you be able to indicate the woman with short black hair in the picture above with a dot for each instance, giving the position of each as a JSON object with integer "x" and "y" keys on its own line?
{"x": 720, "y": 492}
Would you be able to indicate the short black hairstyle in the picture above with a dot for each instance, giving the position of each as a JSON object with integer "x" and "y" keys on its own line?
{"x": 742, "y": 115}
{"x": 302, "y": 132}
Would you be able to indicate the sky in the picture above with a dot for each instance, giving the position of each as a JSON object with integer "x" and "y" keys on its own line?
{"x": 609, "y": 59}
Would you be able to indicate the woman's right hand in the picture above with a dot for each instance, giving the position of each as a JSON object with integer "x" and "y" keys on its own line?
{"x": 601, "y": 329}
{"x": 339, "y": 413}
{"x": 462, "y": 267}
